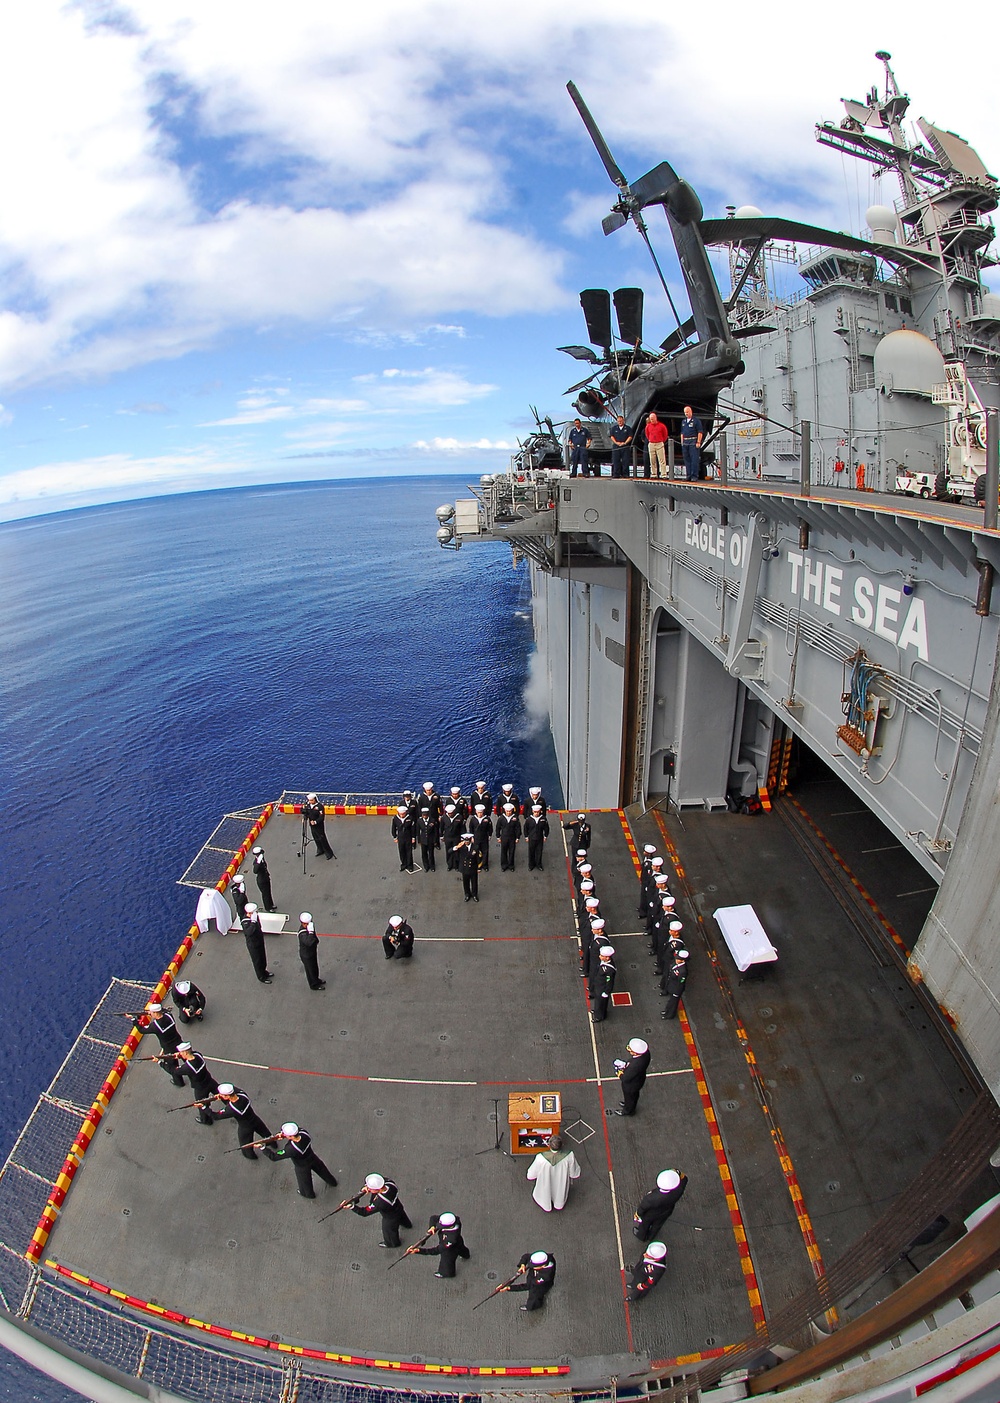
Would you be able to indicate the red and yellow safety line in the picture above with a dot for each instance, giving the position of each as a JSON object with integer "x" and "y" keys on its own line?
{"x": 99, "y": 1105}
{"x": 866, "y": 896}
{"x": 718, "y": 1148}
{"x": 402, "y": 1366}
{"x": 384, "y": 809}
{"x": 777, "y": 1138}
{"x": 725, "y": 1174}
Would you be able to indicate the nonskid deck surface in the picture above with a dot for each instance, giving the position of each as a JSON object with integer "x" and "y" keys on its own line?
{"x": 396, "y": 1067}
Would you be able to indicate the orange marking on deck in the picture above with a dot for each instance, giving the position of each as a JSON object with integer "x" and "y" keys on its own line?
{"x": 711, "y": 1121}
{"x": 777, "y": 1138}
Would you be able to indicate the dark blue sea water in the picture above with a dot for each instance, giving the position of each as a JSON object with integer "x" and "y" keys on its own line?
{"x": 166, "y": 661}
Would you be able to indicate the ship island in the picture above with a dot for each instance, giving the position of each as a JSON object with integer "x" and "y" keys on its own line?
{"x": 778, "y": 673}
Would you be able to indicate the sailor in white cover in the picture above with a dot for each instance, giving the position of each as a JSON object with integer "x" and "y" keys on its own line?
{"x": 552, "y": 1169}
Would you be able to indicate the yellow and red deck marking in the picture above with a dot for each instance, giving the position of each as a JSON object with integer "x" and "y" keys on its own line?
{"x": 403, "y": 1366}
{"x": 718, "y": 1149}
{"x": 99, "y": 1105}
{"x": 777, "y": 1138}
{"x": 886, "y": 925}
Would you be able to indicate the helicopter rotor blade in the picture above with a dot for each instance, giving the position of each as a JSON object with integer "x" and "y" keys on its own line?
{"x": 582, "y": 385}
{"x": 650, "y": 188}
{"x": 640, "y": 224}
{"x": 614, "y": 220}
{"x": 603, "y": 150}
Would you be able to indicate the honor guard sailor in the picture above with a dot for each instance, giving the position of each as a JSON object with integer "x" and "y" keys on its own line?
{"x": 632, "y": 1075}
{"x": 646, "y": 1273}
{"x": 263, "y": 879}
{"x": 539, "y": 1271}
{"x": 236, "y": 1106}
{"x": 508, "y": 835}
{"x": 254, "y": 938}
{"x": 656, "y": 1207}
{"x": 383, "y": 1198}
{"x": 161, "y": 1024}
{"x": 536, "y": 830}
{"x": 402, "y": 832}
{"x": 239, "y": 892}
{"x": 450, "y": 1244}
{"x": 315, "y": 816}
{"x": 309, "y": 951}
{"x": 298, "y": 1148}
{"x": 194, "y": 1068}
{"x": 602, "y": 983}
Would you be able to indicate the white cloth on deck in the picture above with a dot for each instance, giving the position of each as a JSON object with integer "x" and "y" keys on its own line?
{"x": 552, "y": 1171}
{"x": 213, "y": 906}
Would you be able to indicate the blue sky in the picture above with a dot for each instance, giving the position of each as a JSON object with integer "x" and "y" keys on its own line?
{"x": 242, "y": 246}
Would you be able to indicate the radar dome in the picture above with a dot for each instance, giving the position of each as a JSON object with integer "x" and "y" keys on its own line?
{"x": 881, "y": 220}
{"x": 991, "y": 306}
{"x": 748, "y": 212}
{"x": 907, "y": 363}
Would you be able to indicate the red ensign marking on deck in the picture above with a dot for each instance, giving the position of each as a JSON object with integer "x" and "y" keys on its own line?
{"x": 708, "y": 1111}
{"x": 777, "y": 1138}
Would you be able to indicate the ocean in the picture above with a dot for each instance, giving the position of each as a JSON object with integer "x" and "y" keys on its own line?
{"x": 170, "y": 660}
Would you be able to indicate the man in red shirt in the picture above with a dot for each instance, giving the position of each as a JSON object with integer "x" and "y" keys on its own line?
{"x": 656, "y": 437}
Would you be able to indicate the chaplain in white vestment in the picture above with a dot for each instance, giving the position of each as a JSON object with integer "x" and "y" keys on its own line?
{"x": 552, "y": 1169}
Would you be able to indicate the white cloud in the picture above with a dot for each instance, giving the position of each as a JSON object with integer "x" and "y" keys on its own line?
{"x": 457, "y": 445}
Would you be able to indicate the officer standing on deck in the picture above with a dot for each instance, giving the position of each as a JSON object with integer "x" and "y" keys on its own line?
{"x": 188, "y": 1000}
{"x": 315, "y": 817}
{"x": 254, "y": 937}
{"x": 193, "y": 1066}
{"x": 621, "y": 437}
{"x": 398, "y": 939}
{"x": 450, "y": 1244}
{"x": 308, "y": 951}
{"x": 384, "y": 1199}
{"x": 692, "y": 433}
{"x": 580, "y": 829}
{"x": 656, "y": 1207}
{"x": 632, "y": 1075}
{"x": 263, "y": 878}
{"x": 467, "y": 858}
{"x": 645, "y": 1274}
{"x": 579, "y": 442}
{"x": 298, "y": 1148}
{"x": 602, "y": 983}
{"x": 539, "y": 1269}
{"x": 236, "y": 1106}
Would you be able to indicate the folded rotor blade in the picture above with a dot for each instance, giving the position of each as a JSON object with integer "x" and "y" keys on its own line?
{"x": 628, "y": 310}
{"x": 610, "y": 165}
{"x": 650, "y": 188}
{"x": 580, "y": 353}
{"x": 596, "y": 304}
{"x": 580, "y": 384}
{"x": 613, "y": 221}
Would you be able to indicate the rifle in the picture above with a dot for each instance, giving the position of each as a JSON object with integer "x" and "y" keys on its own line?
{"x": 415, "y": 1247}
{"x": 504, "y": 1286}
{"x": 120, "y": 1013}
{"x": 189, "y": 1105}
{"x": 347, "y": 1203}
{"x": 157, "y": 1057}
{"x": 252, "y": 1145}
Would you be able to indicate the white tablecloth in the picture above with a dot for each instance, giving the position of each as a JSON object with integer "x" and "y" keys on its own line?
{"x": 745, "y": 936}
{"x": 213, "y": 906}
